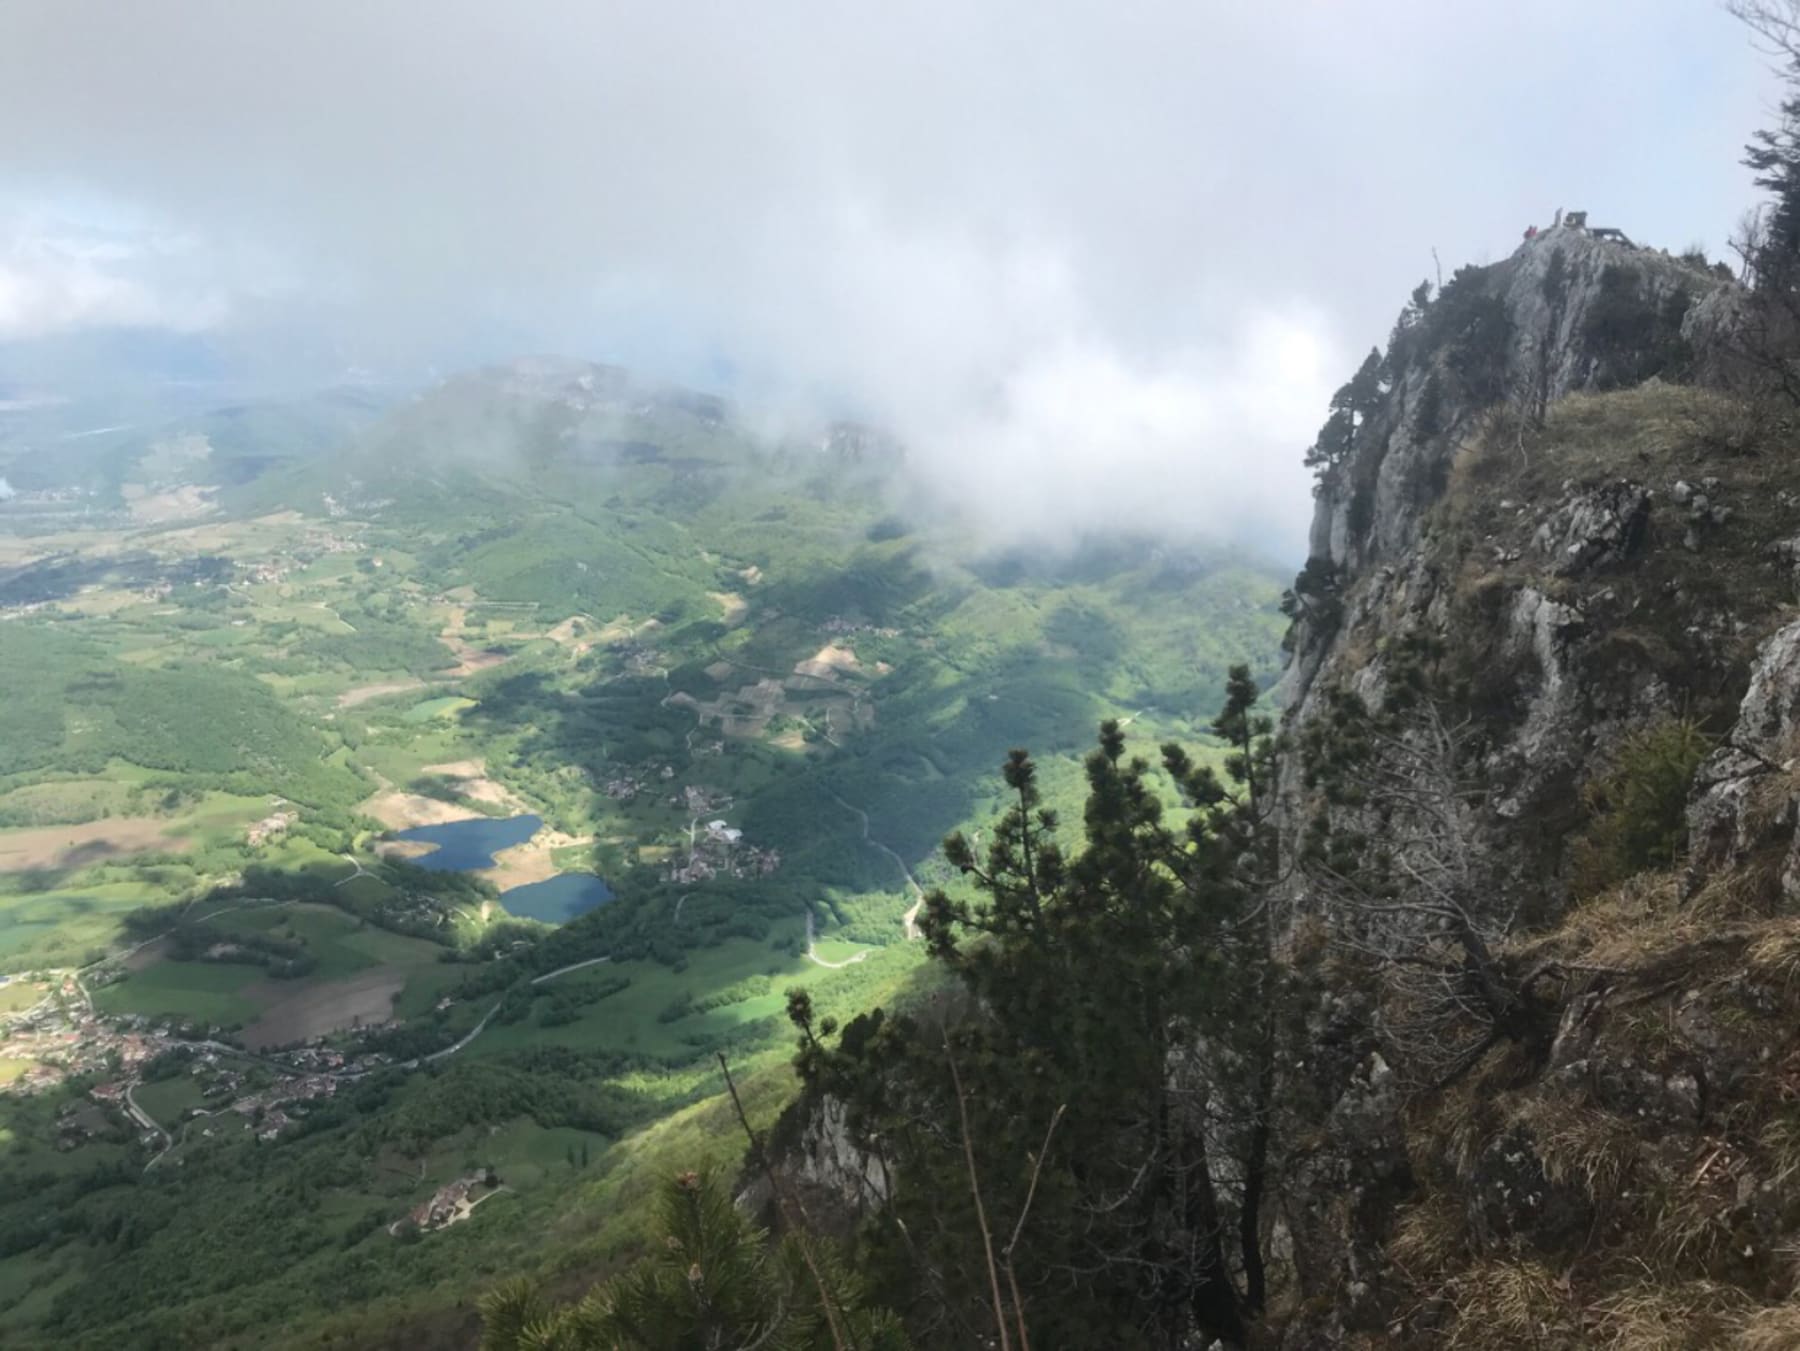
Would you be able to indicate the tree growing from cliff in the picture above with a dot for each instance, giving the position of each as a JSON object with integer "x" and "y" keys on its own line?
{"x": 1774, "y": 152}
{"x": 1060, "y": 1123}
{"x": 1765, "y": 340}
{"x": 1351, "y": 407}
{"x": 1402, "y": 342}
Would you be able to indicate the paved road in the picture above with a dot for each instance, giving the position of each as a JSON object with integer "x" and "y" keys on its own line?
{"x": 451, "y": 1050}
{"x": 149, "y": 1123}
{"x": 572, "y": 966}
{"x": 911, "y": 917}
{"x": 814, "y": 957}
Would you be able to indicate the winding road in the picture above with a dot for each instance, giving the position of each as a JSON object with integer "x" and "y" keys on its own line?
{"x": 911, "y": 918}
{"x": 814, "y": 957}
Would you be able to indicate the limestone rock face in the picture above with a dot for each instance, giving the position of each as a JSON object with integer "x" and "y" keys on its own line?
{"x": 1582, "y": 569}
{"x": 1558, "y": 294}
{"x": 1747, "y": 793}
{"x": 837, "y": 1181}
{"x": 1596, "y": 528}
{"x": 1557, "y": 575}
{"x": 829, "y": 1159}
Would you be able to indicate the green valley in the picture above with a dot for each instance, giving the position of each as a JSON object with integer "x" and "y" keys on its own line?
{"x": 257, "y": 1041}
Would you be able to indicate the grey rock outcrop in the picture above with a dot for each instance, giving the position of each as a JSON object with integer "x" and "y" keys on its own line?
{"x": 1747, "y": 794}
{"x": 1556, "y": 295}
{"x": 1566, "y": 627}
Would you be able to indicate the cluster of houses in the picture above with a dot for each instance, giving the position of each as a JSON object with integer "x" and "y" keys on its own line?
{"x": 62, "y": 1036}
{"x": 625, "y": 788}
{"x": 628, "y": 785}
{"x": 699, "y": 799}
{"x": 449, "y": 1203}
{"x": 720, "y": 851}
{"x": 837, "y": 624}
{"x": 273, "y": 1110}
{"x": 270, "y": 826}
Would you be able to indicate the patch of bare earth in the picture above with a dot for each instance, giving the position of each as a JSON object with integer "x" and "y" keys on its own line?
{"x": 363, "y": 693}
{"x": 470, "y": 658}
{"x": 293, "y": 1014}
{"x": 734, "y": 605}
{"x": 468, "y": 778}
{"x": 828, "y": 661}
{"x": 45, "y": 847}
{"x": 531, "y": 861}
{"x": 573, "y": 633}
{"x": 403, "y": 811}
{"x": 176, "y": 504}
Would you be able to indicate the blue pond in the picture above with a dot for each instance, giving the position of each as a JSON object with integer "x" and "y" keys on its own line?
{"x": 467, "y": 846}
{"x": 560, "y": 899}
{"x": 464, "y": 846}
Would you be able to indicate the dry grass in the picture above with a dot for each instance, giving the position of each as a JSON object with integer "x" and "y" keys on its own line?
{"x": 1776, "y": 1329}
{"x": 1657, "y": 1316}
{"x": 1779, "y": 1143}
{"x": 1641, "y": 931}
{"x": 1615, "y": 927}
{"x": 1776, "y": 955}
{"x": 1581, "y": 1146}
{"x": 1503, "y": 1305}
{"x": 1750, "y": 890}
{"x": 1586, "y": 437}
{"x": 1459, "y": 1123}
{"x": 1689, "y": 1225}
{"x": 1428, "y": 1238}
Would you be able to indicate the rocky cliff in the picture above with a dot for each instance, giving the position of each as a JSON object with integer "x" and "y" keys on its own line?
{"x": 1536, "y": 490}
{"x": 1598, "y": 545}
{"x": 1554, "y": 569}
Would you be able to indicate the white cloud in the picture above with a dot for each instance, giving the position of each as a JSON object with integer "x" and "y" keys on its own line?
{"x": 57, "y": 279}
{"x": 1173, "y": 222}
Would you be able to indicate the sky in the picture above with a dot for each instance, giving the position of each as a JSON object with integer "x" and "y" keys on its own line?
{"x": 1095, "y": 261}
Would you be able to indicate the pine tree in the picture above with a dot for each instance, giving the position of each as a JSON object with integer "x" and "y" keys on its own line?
{"x": 712, "y": 1279}
{"x": 1081, "y": 1202}
{"x": 1774, "y": 156}
{"x": 1351, "y": 407}
{"x": 1403, "y": 338}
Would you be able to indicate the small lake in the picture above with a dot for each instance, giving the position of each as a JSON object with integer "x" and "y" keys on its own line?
{"x": 469, "y": 846}
{"x": 465, "y": 846}
{"x": 558, "y": 900}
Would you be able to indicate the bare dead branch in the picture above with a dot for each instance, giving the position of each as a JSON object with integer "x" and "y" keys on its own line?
{"x": 795, "y": 1214}
{"x": 987, "y": 1237}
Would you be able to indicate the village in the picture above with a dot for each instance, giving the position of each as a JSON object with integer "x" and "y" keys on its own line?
{"x": 60, "y": 1040}
{"x": 718, "y": 850}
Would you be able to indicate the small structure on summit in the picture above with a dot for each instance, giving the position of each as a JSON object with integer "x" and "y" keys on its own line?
{"x": 1577, "y": 220}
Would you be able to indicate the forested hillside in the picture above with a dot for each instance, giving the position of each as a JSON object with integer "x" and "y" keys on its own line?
{"x": 264, "y": 1063}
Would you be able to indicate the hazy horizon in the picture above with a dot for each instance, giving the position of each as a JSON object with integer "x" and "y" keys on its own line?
{"x": 1094, "y": 266}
